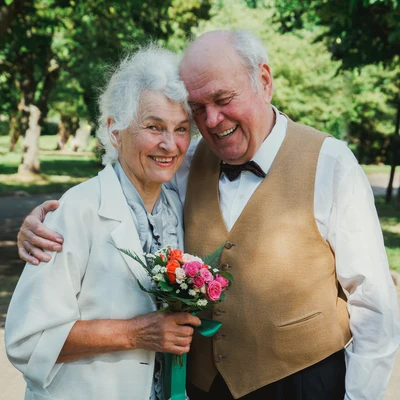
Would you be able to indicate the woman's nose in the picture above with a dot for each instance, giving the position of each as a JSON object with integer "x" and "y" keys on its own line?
{"x": 168, "y": 142}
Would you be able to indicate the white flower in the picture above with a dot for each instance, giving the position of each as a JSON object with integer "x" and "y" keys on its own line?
{"x": 184, "y": 286}
{"x": 177, "y": 291}
{"x": 202, "y": 302}
{"x": 163, "y": 269}
{"x": 178, "y": 281}
{"x": 159, "y": 277}
{"x": 180, "y": 274}
{"x": 215, "y": 269}
{"x": 203, "y": 289}
{"x": 149, "y": 255}
{"x": 156, "y": 269}
{"x": 188, "y": 258}
{"x": 192, "y": 292}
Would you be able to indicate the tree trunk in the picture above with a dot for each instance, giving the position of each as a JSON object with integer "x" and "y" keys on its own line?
{"x": 395, "y": 147}
{"x": 81, "y": 139}
{"x": 19, "y": 123}
{"x": 8, "y": 14}
{"x": 30, "y": 158}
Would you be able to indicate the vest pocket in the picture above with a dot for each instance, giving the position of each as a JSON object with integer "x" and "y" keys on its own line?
{"x": 300, "y": 321}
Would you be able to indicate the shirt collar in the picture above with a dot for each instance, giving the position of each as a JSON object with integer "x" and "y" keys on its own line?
{"x": 269, "y": 148}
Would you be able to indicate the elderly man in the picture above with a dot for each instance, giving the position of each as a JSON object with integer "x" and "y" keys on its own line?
{"x": 297, "y": 215}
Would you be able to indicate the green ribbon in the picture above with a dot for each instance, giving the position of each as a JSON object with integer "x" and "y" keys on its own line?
{"x": 175, "y": 366}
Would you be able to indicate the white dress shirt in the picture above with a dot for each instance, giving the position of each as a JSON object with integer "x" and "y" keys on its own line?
{"x": 345, "y": 213}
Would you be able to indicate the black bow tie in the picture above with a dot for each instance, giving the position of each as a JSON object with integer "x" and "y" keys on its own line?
{"x": 233, "y": 171}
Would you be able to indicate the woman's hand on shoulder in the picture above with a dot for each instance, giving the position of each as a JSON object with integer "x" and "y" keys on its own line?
{"x": 34, "y": 236}
{"x": 163, "y": 332}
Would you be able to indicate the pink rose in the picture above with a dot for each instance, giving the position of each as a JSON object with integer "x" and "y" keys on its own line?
{"x": 206, "y": 274}
{"x": 192, "y": 268}
{"x": 198, "y": 282}
{"x": 214, "y": 290}
{"x": 223, "y": 281}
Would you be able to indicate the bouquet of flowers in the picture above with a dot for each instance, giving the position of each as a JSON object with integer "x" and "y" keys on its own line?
{"x": 183, "y": 282}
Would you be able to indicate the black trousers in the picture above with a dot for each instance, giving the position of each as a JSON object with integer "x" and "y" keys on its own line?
{"x": 321, "y": 381}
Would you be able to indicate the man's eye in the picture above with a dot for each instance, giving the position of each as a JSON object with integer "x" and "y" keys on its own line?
{"x": 197, "y": 109}
{"x": 224, "y": 101}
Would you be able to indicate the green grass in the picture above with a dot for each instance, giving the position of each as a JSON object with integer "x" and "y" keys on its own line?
{"x": 58, "y": 170}
{"x": 389, "y": 217}
{"x": 377, "y": 169}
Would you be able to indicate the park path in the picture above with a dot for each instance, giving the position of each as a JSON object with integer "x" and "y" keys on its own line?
{"x": 12, "y": 212}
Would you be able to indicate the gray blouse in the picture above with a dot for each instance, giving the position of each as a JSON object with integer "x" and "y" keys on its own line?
{"x": 157, "y": 229}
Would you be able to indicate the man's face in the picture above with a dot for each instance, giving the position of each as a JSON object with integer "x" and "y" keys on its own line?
{"x": 232, "y": 117}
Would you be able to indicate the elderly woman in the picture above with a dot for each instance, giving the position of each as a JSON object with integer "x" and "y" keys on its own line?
{"x": 79, "y": 327}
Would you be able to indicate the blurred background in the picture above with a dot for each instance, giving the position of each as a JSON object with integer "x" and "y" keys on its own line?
{"x": 335, "y": 65}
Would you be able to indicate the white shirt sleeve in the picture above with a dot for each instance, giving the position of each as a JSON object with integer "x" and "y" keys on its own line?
{"x": 355, "y": 235}
{"x": 180, "y": 179}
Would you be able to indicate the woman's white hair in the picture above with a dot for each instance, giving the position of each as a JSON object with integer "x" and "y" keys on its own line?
{"x": 149, "y": 69}
{"x": 252, "y": 52}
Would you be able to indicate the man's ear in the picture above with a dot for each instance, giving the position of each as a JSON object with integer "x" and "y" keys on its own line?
{"x": 267, "y": 82}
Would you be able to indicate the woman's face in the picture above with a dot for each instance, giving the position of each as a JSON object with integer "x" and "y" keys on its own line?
{"x": 152, "y": 151}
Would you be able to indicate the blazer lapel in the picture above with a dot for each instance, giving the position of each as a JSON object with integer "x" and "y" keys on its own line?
{"x": 113, "y": 205}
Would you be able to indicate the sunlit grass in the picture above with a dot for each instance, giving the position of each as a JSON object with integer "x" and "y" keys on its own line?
{"x": 58, "y": 170}
{"x": 389, "y": 217}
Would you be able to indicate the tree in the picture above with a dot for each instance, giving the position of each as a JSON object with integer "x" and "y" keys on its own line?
{"x": 9, "y": 10}
{"x": 358, "y": 33}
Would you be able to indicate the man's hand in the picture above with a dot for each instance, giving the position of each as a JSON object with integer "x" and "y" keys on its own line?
{"x": 34, "y": 236}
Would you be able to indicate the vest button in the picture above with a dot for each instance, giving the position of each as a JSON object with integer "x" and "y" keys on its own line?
{"x": 225, "y": 267}
{"x": 229, "y": 245}
{"x": 217, "y": 312}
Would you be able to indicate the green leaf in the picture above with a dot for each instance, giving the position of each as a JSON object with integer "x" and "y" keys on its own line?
{"x": 213, "y": 259}
{"x": 165, "y": 287}
{"x": 8, "y": 2}
{"x": 227, "y": 275}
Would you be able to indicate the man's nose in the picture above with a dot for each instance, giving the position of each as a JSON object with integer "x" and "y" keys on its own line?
{"x": 213, "y": 116}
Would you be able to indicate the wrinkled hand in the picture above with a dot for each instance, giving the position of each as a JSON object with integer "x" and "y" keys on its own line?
{"x": 34, "y": 236}
{"x": 163, "y": 332}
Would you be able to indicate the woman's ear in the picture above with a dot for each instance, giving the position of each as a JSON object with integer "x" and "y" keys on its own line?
{"x": 114, "y": 135}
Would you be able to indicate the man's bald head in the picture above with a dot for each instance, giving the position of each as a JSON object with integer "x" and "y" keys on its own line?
{"x": 222, "y": 43}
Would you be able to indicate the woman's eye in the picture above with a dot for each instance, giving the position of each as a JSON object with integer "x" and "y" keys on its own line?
{"x": 152, "y": 128}
{"x": 182, "y": 129}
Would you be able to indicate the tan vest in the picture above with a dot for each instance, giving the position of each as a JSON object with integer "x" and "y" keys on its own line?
{"x": 285, "y": 310}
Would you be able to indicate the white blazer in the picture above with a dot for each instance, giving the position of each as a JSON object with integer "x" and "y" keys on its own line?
{"x": 89, "y": 279}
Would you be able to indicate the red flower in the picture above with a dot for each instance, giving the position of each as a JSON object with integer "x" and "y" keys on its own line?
{"x": 171, "y": 267}
{"x": 175, "y": 254}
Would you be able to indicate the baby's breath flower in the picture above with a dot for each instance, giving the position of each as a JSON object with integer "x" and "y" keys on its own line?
{"x": 203, "y": 289}
{"x": 163, "y": 269}
{"x": 202, "y": 302}
{"x": 215, "y": 269}
{"x": 192, "y": 293}
{"x": 156, "y": 269}
{"x": 177, "y": 291}
{"x": 184, "y": 286}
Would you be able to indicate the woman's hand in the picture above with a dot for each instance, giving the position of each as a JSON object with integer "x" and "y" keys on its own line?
{"x": 163, "y": 332}
{"x": 34, "y": 236}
